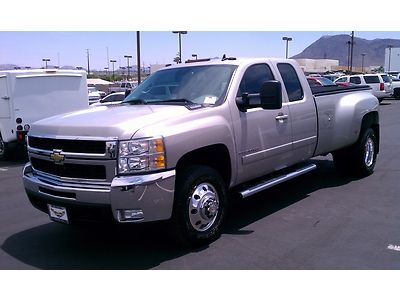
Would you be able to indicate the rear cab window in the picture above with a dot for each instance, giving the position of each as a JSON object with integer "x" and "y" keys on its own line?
{"x": 291, "y": 81}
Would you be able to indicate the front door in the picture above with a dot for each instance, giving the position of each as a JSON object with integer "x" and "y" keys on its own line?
{"x": 264, "y": 137}
{"x": 4, "y": 99}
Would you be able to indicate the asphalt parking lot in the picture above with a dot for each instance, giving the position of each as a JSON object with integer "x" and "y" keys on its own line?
{"x": 318, "y": 221}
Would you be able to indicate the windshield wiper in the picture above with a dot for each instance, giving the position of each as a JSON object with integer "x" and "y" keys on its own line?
{"x": 188, "y": 104}
{"x": 135, "y": 101}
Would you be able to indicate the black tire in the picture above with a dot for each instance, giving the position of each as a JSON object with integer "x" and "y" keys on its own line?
{"x": 4, "y": 149}
{"x": 359, "y": 159}
{"x": 198, "y": 225}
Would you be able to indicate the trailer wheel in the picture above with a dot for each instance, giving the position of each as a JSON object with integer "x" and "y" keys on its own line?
{"x": 200, "y": 205}
{"x": 4, "y": 153}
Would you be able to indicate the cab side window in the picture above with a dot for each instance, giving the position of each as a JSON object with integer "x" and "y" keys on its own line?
{"x": 253, "y": 78}
{"x": 291, "y": 81}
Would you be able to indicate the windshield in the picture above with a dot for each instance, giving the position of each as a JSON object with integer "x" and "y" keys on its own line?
{"x": 204, "y": 85}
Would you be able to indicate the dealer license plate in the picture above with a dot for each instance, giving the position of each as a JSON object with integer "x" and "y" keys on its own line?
{"x": 58, "y": 213}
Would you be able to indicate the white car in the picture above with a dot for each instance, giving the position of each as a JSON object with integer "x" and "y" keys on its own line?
{"x": 112, "y": 99}
{"x": 94, "y": 95}
{"x": 380, "y": 84}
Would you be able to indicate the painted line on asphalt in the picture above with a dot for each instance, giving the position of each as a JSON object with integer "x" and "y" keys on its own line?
{"x": 3, "y": 169}
{"x": 393, "y": 247}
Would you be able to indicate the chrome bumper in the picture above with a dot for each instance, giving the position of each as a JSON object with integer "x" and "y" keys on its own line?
{"x": 152, "y": 195}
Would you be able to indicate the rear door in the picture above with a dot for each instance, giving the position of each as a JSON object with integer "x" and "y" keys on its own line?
{"x": 4, "y": 98}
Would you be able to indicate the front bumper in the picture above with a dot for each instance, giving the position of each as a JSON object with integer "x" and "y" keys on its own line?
{"x": 151, "y": 195}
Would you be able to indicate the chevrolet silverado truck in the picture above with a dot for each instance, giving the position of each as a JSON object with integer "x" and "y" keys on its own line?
{"x": 190, "y": 136}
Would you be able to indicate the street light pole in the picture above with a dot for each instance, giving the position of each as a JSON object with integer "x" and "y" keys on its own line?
{"x": 138, "y": 55}
{"x": 180, "y": 43}
{"x": 362, "y": 62}
{"x": 128, "y": 57}
{"x": 351, "y": 52}
{"x": 88, "y": 64}
{"x": 46, "y": 60}
{"x": 113, "y": 61}
{"x": 287, "y": 39}
{"x": 348, "y": 55}
{"x": 390, "y": 55}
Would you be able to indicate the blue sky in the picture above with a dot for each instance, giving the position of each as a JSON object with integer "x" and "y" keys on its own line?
{"x": 27, "y": 48}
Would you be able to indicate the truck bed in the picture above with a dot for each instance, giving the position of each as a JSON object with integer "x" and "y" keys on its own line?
{"x": 336, "y": 89}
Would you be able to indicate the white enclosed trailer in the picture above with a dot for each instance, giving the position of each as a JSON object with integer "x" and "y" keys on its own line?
{"x": 30, "y": 95}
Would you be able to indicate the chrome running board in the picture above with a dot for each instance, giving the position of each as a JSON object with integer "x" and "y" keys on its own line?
{"x": 266, "y": 184}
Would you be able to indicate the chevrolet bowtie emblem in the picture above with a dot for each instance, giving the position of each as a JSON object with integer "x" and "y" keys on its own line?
{"x": 57, "y": 157}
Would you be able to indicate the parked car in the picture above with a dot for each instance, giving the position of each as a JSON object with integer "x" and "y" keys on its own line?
{"x": 112, "y": 99}
{"x": 396, "y": 88}
{"x": 231, "y": 126}
{"x": 380, "y": 83}
{"x": 319, "y": 81}
{"x": 94, "y": 95}
{"x": 123, "y": 87}
{"x": 332, "y": 77}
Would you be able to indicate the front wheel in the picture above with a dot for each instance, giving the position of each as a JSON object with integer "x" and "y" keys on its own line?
{"x": 200, "y": 205}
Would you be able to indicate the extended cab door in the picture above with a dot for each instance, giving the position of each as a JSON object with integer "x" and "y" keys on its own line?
{"x": 300, "y": 102}
{"x": 263, "y": 137}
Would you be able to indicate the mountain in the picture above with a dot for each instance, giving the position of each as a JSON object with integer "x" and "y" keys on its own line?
{"x": 336, "y": 47}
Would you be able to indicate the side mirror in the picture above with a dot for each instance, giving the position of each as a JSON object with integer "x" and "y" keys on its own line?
{"x": 271, "y": 95}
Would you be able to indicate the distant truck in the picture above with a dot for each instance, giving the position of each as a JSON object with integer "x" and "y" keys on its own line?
{"x": 189, "y": 134}
{"x": 123, "y": 87}
{"x": 29, "y": 95}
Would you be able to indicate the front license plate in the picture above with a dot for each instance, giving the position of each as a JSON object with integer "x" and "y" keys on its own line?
{"x": 58, "y": 213}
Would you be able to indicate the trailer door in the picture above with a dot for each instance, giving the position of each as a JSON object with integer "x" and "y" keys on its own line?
{"x": 4, "y": 99}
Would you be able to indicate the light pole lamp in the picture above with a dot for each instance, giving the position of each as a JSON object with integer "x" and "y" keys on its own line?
{"x": 45, "y": 61}
{"x": 362, "y": 62}
{"x": 113, "y": 61}
{"x": 180, "y": 43}
{"x": 287, "y": 39}
{"x": 128, "y": 57}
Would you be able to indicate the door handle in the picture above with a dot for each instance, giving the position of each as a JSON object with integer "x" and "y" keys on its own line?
{"x": 5, "y": 98}
{"x": 281, "y": 117}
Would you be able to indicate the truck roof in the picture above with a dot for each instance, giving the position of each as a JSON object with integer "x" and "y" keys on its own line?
{"x": 229, "y": 61}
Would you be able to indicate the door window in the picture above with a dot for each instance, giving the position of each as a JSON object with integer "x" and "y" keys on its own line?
{"x": 355, "y": 79}
{"x": 291, "y": 81}
{"x": 253, "y": 78}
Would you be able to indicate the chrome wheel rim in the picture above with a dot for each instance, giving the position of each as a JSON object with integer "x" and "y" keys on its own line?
{"x": 369, "y": 152}
{"x": 203, "y": 207}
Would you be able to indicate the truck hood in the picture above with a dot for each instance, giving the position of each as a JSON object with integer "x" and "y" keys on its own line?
{"x": 112, "y": 122}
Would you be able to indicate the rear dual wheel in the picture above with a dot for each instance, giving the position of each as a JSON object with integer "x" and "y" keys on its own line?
{"x": 360, "y": 158}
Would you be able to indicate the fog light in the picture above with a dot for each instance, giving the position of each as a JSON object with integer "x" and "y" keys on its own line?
{"x": 126, "y": 215}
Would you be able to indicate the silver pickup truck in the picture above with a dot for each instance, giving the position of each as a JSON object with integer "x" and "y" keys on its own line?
{"x": 189, "y": 134}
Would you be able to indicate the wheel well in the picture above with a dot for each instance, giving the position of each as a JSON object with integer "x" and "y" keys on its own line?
{"x": 371, "y": 120}
{"x": 214, "y": 156}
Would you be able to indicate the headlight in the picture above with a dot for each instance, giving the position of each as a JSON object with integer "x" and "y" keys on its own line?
{"x": 141, "y": 155}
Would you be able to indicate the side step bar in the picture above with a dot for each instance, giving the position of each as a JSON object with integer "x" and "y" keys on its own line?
{"x": 266, "y": 184}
